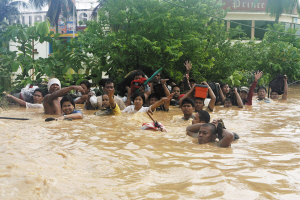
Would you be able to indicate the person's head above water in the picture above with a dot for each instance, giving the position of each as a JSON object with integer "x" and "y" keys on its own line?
{"x": 187, "y": 107}
{"x": 105, "y": 100}
{"x": 207, "y": 133}
{"x": 138, "y": 100}
{"x": 86, "y": 85}
{"x": 261, "y": 93}
{"x": 244, "y": 92}
{"x": 274, "y": 95}
{"x": 199, "y": 104}
{"x": 225, "y": 88}
{"x": 227, "y": 103}
{"x": 175, "y": 91}
{"x": 108, "y": 86}
{"x": 201, "y": 117}
{"x": 54, "y": 85}
{"x": 38, "y": 95}
{"x": 153, "y": 98}
{"x": 67, "y": 105}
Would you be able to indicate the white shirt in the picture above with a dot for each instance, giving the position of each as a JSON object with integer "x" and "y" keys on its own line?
{"x": 130, "y": 109}
{"x": 34, "y": 105}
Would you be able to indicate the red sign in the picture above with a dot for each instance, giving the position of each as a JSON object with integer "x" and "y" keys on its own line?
{"x": 245, "y": 5}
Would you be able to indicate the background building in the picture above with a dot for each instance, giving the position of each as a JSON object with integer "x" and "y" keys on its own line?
{"x": 248, "y": 13}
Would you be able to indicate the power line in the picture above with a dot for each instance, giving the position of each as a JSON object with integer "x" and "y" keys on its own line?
{"x": 228, "y": 20}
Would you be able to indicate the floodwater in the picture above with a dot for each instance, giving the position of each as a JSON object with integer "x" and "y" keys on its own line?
{"x": 110, "y": 157}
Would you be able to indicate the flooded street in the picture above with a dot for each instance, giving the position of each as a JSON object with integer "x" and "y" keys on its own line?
{"x": 110, "y": 157}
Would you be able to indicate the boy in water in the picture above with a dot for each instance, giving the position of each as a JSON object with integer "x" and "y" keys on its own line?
{"x": 109, "y": 105}
{"x": 67, "y": 106}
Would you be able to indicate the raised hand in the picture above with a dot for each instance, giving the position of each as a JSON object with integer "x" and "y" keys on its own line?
{"x": 111, "y": 93}
{"x": 188, "y": 65}
{"x": 163, "y": 81}
{"x": 79, "y": 88}
{"x": 168, "y": 98}
{"x": 257, "y": 75}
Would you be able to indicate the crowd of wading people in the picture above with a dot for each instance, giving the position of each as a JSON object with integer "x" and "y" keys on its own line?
{"x": 155, "y": 95}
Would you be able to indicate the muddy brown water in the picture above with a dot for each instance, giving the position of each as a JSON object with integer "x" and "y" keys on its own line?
{"x": 110, "y": 157}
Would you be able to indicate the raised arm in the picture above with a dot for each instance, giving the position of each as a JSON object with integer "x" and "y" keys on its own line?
{"x": 193, "y": 130}
{"x": 227, "y": 138}
{"x": 221, "y": 94}
{"x": 188, "y": 65}
{"x": 167, "y": 93}
{"x": 111, "y": 98}
{"x": 285, "y": 90}
{"x": 238, "y": 98}
{"x": 213, "y": 98}
{"x": 187, "y": 95}
{"x": 63, "y": 92}
{"x": 161, "y": 101}
{"x": 82, "y": 99}
{"x": 17, "y": 100}
{"x": 128, "y": 102}
{"x": 257, "y": 76}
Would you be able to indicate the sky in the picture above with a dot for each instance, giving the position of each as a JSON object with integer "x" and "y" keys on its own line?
{"x": 80, "y": 4}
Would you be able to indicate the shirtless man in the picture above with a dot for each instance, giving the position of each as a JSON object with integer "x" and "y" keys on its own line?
{"x": 207, "y": 132}
{"x": 52, "y": 100}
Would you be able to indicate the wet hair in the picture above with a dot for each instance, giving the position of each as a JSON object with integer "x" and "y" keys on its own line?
{"x": 174, "y": 86}
{"x": 105, "y": 93}
{"x": 109, "y": 81}
{"x": 105, "y": 81}
{"x": 140, "y": 94}
{"x": 204, "y": 116}
{"x": 228, "y": 100}
{"x": 262, "y": 87}
{"x": 188, "y": 101}
{"x": 192, "y": 80}
{"x": 274, "y": 91}
{"x": 86, "y": 83}
{"x": 200, "y": 99}
{"x": 138, "y": 73}
{"x": 65, "y": 99}
{"x": 211, "y": 127}
{"x": 39, "y": 90}
{"x": 153, "y": 95}
{"x": 222, "y": 85}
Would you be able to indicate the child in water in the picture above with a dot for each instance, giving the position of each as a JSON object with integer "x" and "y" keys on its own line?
{"x": 110, "y": 107}
{"x": 67, "y": 106}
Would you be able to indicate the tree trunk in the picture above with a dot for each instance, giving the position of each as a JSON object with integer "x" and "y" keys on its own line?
{"x": 277, "y": 18}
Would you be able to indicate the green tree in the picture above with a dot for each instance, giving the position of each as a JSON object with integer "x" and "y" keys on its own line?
{"x": 149, "y": 34}
{"x": 56, "y": 7}
{"x": 277, "y": 7}
{"x": 9, "y": 9}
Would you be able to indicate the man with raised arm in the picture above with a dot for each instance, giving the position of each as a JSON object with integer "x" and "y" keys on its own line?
{"x": 52, "y": 100}
{"x": 199, "y": 102}
{"x": 247, "y": 94}
{"x": 275, "y": 96}
{"x": 94, "y": 102}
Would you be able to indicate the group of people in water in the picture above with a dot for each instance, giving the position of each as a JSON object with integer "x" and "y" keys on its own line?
{"x": 154, "y": 96}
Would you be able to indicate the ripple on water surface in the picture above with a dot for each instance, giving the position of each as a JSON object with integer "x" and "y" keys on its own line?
{"x": 110, "y": 157}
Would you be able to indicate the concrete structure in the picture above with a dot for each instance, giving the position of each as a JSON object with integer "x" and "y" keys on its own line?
{"x": 246, "y": 12}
